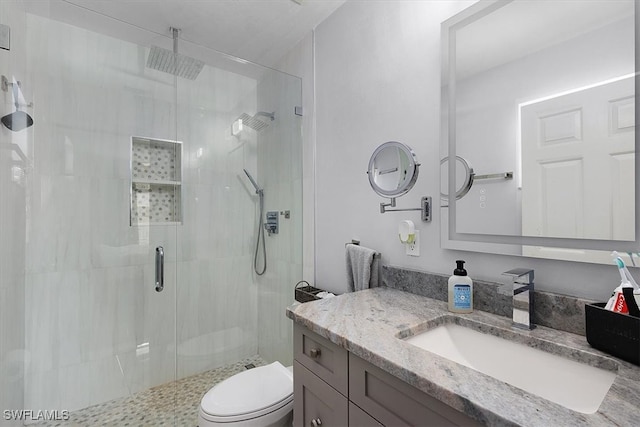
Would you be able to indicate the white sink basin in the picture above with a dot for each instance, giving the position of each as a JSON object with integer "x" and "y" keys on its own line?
{"x": 574, "y": 385}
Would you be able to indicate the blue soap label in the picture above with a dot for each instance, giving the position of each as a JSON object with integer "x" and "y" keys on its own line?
{"x": 462, "y": 296}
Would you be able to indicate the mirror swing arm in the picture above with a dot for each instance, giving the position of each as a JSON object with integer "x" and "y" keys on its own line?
{"x": 425, "y": 207}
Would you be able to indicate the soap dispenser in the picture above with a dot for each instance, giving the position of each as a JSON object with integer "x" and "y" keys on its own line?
{"x": 460, "y": 290}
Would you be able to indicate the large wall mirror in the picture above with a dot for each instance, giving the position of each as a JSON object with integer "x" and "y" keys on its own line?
{"x": 540, "y": 98}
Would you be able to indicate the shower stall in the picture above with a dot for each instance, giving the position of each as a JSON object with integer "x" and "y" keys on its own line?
{"x": 124, "y": 157}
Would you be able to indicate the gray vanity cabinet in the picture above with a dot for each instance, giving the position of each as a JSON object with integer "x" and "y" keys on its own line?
{"x": 315, "y": 402}
{"x": 393, "y": 402}
{"x": 335, "y": 388}
{"x": 319, "y": 381}
{"x": 359, "y": 418}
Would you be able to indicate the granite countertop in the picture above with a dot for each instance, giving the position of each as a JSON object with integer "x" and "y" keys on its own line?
{"x": 368, "y": 323}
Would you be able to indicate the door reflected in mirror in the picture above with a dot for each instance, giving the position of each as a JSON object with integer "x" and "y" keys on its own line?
{"x": 578, "y": 163}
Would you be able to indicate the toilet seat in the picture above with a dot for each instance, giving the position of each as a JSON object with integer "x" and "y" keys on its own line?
{"x": 249, "y": 394}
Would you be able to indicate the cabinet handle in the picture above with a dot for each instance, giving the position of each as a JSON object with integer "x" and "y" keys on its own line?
{"x": 316, "y": 422}
{"x": 315, "y": 353}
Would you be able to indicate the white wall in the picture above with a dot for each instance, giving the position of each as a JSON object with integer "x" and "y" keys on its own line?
{"x": 377, "y": 78}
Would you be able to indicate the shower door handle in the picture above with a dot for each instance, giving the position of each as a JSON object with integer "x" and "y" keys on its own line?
{"x": 159, "y": 269}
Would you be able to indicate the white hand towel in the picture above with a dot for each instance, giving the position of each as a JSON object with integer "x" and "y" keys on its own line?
{"x": 362, "y": 267}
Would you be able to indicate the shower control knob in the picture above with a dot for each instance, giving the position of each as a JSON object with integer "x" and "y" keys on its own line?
{"x": 316, "y": 422}
{"x": 315, "y": 353}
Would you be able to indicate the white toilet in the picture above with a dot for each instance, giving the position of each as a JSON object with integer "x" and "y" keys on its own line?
{"x": 258, "y": 397}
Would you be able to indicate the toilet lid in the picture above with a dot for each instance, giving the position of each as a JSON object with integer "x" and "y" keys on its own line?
{"x": 249, "y": 392}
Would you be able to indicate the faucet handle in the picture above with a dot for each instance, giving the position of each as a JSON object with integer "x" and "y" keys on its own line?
{"x": 517, "y": 273}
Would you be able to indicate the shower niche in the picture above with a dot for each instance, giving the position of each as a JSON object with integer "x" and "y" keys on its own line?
{"x": 156, "y": 180}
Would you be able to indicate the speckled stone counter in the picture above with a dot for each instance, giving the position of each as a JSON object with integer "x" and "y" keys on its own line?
{"x": 370, "y": 324}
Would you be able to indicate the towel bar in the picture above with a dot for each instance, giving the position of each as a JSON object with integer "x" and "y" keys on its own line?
{"x": 357, "y": 243}
{"x": 503, "y": 175}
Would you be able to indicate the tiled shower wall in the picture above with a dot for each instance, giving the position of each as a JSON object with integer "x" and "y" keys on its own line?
{"x": 13, "y": 222}
{"x": 95, "y": 327}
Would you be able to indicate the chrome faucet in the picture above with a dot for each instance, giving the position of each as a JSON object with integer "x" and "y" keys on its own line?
{"x": 522, "y": 292}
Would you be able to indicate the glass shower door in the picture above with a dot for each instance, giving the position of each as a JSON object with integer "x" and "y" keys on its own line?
{"x": 128, "y": 174}
{"x": 235, "y": 117}
{"x": 99, "y": 340}
{"x": 155, "y": 214}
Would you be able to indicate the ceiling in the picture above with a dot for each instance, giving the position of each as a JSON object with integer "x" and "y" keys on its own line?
{"x": 260, "y": 31}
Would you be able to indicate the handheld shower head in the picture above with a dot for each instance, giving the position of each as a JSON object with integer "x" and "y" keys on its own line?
{"x": 259, "y": 190}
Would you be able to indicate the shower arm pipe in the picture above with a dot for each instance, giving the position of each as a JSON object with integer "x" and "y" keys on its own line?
{"x": 272, "y": 116}
{"x": 174, "y": 33}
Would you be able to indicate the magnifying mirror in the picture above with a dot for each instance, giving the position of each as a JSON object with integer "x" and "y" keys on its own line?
{"x": 464, "y": 178}
{"x": 393, "y": 169}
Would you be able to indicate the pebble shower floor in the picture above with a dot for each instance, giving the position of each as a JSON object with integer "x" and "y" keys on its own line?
{"x": 154, "y": 407}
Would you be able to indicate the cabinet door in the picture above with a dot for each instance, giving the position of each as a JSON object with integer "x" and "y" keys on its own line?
{"x": 322, "y": 357}
{"x": 393, "y": 402}
{"x": 315, "y": 402}
{"x": 359, "y": 418}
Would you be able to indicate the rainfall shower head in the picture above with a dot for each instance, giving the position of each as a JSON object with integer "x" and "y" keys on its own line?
{"x": 254, "y": 122}
{"x": 174, "y": 63}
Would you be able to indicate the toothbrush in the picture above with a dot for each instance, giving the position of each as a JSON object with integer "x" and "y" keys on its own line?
{"x": 625, "y": 275}
{"x": 627, "y": 281}
{"x": 631, "y": 254}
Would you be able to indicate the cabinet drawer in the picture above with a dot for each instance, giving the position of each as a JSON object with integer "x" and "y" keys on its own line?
{"x": 316, "y": 403}
{"x": 322, "y": 357}
{"x": 359, "y": 418}
{"x": 395, "y": 403}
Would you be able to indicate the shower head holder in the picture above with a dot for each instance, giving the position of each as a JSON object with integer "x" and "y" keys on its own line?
{"x": 5, "y": 83}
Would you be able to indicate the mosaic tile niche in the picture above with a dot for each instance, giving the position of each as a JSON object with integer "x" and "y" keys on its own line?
{"x": 156, "y": 173}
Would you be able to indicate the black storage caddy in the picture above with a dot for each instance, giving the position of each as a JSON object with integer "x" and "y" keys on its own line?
{"x": 614, "y": 333}
{"x": 306, "y": 293}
